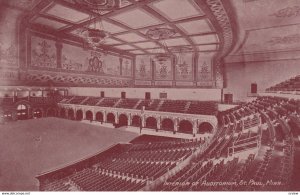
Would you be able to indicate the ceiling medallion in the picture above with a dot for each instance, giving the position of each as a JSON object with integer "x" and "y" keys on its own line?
{"x": 160, "y": 34}
{"x": 99, "y": 5}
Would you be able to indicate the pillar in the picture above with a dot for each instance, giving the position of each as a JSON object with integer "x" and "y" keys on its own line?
{"x": 195, "y": 128}
{"x": 94, "y": 116}
{"x": 175, "y": 125}
{"x": 117, "y": 118}
{"x": 83, "y": 114}
{"x": 129, "y": 119}
{"x": 104, "y": 116}
{"x": 143, "y": 120}
{"x": 158, "y": 121}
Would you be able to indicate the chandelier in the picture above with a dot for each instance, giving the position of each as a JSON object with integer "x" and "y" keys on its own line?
{"x": 95, "y": 34}
{"x": 95, "y": 37}
{"x": 160, "y": 34}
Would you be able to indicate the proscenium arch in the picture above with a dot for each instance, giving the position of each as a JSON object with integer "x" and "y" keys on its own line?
{"x": 167, "y": 124}
{"x": 110, "y": 117}
{"x": 151, "y": 123}
{"x": 205, "y": 127}
{"x": 136, "y": 121}
{"x": 185, "y": 126}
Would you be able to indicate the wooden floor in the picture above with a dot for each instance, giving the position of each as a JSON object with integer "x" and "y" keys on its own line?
{"x": 30, "y": 147}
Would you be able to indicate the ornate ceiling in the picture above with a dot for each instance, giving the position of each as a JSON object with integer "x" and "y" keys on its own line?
{"x": 267, "y": 26}
{"x": 200, "y": 25}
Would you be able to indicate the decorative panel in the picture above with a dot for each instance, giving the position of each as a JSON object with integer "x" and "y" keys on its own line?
{"x": 77, "y": 59}
{"x": 126, "y": 67}
{"x": 74, "y": 58}
{"x": 43, "y": 77}
{"x": 8, "y": 41}
{"x": 111, "y": 64}
{"x": 164, "y": 70}
{"x": 205, "y": 67}
{"x": 184, "y": 66}
{"x": 143, "y": 68}
{"x": 43, "y": 52}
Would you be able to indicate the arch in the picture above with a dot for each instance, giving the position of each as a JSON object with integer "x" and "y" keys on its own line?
{"x": 205, "y": 127}
{"x": 79, "y": 115}
{"x": 110, "y": 118}
{"x": 136, "y": 121}
{"x": 62, "y": 113}
{"x": 51, "y": 112}
{"x": 185, "y": 126}
{"x": 22, "y": 111}
{"x": 167, "y": 124}
{"x": 37, "y": 113}
{"x": 89, "y": 115}
{"x": 123, "y": 120}
{"x": 151, "y": 123}
{"x": 99, "y": 116}
{"x": 71, "y": 114}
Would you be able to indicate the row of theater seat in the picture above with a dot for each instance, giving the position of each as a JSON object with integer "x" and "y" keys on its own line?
{"x": 292, "y": 84}
{"x": 271, "y": 157}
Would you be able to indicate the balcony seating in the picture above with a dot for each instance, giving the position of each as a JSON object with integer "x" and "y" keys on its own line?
{"x": 204, "y": 108}
{"x": 292, "y": 84}
{"x": 173, "y": 106}
{"x": 77, "y": 99}
{"x": 92, "y": 101}
{"x": 127, "y": 103}
{"x": 108, "y": 102}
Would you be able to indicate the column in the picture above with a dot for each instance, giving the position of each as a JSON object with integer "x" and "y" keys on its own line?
{"x": 175, "y": 125}
{"x": 129, "y": 119}
{"x": 83, "y": 115}
{"x": 94, "y": 116}
{"x": 158, "y": 125}
{"x": 117, "y": 118}
{"x": 195, "y": 127}
{"x": 143, "y": 120}
{"x": 104, "y": 116}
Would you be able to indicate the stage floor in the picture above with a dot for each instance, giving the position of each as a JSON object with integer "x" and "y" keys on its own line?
{"x": 30, "y": 147}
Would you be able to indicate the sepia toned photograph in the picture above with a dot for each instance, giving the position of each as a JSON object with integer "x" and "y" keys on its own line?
{"x": 149, "y": 96}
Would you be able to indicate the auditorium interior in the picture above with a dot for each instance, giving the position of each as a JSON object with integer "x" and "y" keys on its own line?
{"x": 149, "y": 95}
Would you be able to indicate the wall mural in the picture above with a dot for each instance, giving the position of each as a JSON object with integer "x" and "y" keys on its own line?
{"x": 43, "y": 52}
{"x": 72, "y": 79}
{"x": 163, "y": 70}
{"x": 126, "y": 67}
{"x": 74, "y": 58}
{"x": 8, "y": 37}
{"x": 101, "y": 63}
{"x": 143, "y": 68}
{"x": 205, "y": 66}
{"x": 184, "y": 67}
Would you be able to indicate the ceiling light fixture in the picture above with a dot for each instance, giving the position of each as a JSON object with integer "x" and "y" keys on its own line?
{"x": 161, "y": 34}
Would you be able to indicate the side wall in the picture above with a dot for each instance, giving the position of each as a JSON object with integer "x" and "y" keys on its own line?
{"x": 266, "y": 73}
{"x": 175, "y": 94}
